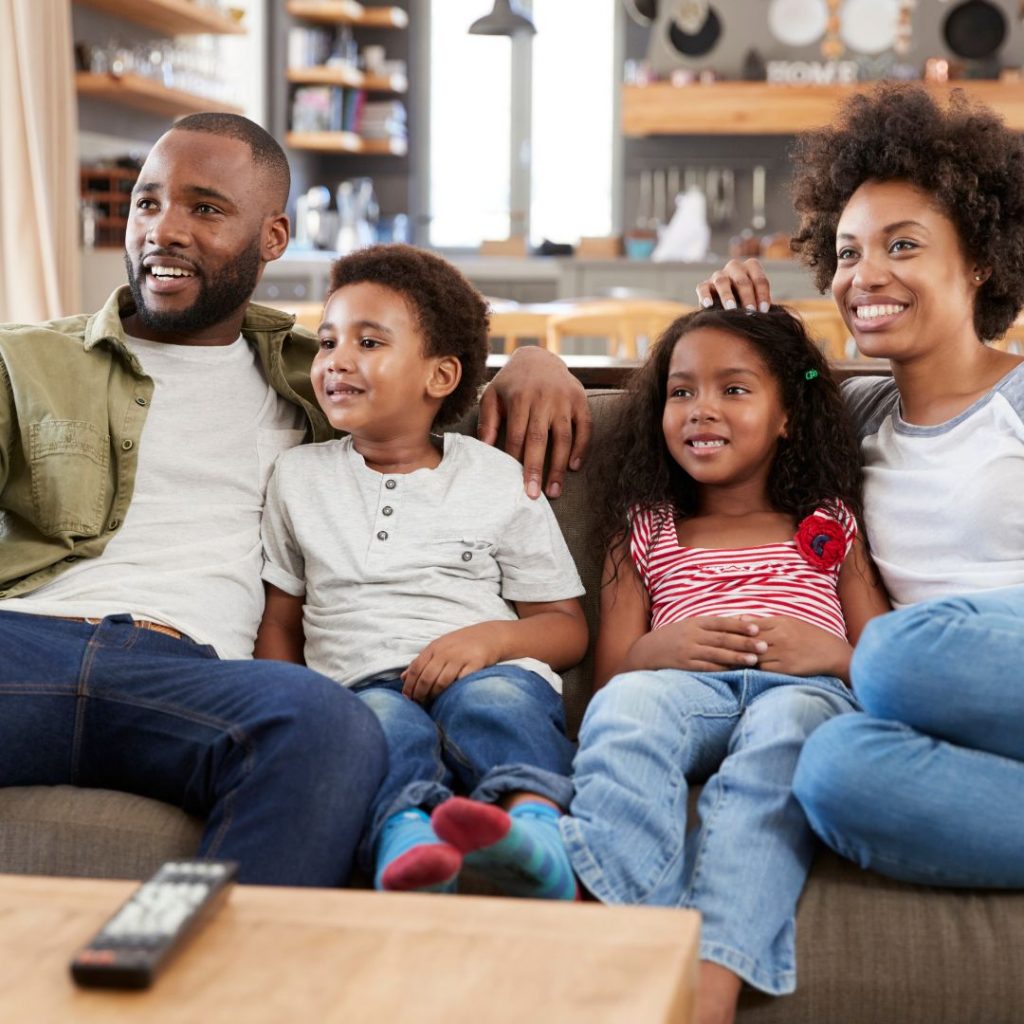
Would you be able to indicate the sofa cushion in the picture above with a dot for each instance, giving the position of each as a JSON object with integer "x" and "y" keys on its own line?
{"x": 63, "y": 830}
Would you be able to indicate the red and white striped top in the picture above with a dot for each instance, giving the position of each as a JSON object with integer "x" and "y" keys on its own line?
{"x": 769, "y": 579}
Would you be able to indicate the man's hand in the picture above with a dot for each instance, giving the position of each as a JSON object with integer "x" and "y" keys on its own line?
{"x": 796, "y": 648}
{"x": 448, "y": 658}
{"x": 710, "y": 643}
{"x": 536, "y": 396}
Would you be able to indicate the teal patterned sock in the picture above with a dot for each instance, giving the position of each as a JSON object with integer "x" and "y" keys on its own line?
{"x": 410, "y": 857}
{"x": 519, "y": 851}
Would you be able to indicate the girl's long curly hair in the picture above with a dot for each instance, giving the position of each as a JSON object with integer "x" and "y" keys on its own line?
{"x": 816, "y": 465}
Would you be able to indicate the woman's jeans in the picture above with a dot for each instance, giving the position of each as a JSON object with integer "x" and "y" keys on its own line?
{"x": 928, "y": 784}
{"x": 645, "y": 737}
{"x": 496, "y": 731}
{"x": 281, "y": 762}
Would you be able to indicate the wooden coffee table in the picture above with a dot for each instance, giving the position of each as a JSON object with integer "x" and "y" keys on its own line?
{"x": 323, "y": 956}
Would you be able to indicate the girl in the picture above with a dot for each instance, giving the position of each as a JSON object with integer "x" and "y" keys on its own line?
{"x": 914, "y": 215}
{"x": 734, "y": 586}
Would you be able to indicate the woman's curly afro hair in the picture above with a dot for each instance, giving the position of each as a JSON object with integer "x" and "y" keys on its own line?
{"x": 451, "y": 314}
{"x": 962, "y": 155}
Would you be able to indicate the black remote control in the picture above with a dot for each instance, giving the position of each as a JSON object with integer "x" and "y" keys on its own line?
{"x": 153, "y": 924}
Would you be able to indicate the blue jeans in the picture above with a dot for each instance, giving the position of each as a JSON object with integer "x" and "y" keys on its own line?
{"x": 496, "y": 731}
{"x": 645, "y": 737}
{"x": 281, "y": 762}
{"x": 928, "y": 784}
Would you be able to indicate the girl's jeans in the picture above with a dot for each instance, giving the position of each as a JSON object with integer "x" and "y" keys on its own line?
{"x": 644, "y": 738}
{"x": 496, "y": 731}
{"x": 928, "y": 784}
{"x": 280, "y": 761}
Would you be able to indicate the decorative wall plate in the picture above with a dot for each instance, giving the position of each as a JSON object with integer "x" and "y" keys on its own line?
{"x": 797, "y": 22}
{"x": 643, "y": 12}
{"x": 869, "y": 26}
{"x": 696, "y": 44}
{"x": 975, "y": 30}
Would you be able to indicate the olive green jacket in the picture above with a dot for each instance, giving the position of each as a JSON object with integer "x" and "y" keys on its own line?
{"x": 73, "y": 402}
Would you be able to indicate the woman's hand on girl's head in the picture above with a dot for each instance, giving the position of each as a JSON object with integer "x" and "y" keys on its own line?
{"x": 796, "y": 648}
{"x": 739, "y": 282}
{"x": 702, "y": 644}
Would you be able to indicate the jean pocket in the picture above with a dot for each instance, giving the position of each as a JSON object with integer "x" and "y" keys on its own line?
{"x": 69, "y": 462}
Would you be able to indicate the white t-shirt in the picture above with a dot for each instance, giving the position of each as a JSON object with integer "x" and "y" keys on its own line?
{"x": 188, "y": 554}
{"x": 944, "y": 505}
{"x": 390, "y": 562}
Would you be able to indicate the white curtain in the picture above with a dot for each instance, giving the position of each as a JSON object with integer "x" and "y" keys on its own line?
{"x": 39, "y": 256}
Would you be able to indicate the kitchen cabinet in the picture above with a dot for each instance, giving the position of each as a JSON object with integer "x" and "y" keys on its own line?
{"x": 757, "y": 108}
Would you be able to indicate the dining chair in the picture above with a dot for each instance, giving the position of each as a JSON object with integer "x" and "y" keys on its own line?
{"x": 621, "y": 322}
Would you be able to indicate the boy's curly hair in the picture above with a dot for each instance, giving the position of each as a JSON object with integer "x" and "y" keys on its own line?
{"x": 963, "y": 156}
{"x": 817, "y": 464}
{"x": 451, "y": 314}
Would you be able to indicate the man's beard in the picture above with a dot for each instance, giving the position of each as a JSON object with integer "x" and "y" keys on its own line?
{"x": 216, "y": 301}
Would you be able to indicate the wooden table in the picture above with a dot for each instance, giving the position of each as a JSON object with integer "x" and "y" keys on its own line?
{"x": 318, "y": 956}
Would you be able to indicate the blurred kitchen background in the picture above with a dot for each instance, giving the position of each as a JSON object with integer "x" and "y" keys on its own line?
{"x": 552, "y": 148}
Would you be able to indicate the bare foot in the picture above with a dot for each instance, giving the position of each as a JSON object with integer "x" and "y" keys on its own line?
{"x": 718, "y": 991}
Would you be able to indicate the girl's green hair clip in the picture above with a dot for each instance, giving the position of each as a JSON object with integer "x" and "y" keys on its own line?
{"x": 810, "y": 374}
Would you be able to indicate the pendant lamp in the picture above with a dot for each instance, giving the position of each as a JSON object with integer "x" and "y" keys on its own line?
{"x": 504, "y": 20}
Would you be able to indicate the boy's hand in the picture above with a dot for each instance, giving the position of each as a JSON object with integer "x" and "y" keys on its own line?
{"x": 710, "y": 643}
{"x": 448, "y": 658}
{"x": 537, "y": 396}
{"x": 796, "y": 648}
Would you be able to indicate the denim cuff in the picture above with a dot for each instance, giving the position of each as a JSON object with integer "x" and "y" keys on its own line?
{"x": 513, "y": 778}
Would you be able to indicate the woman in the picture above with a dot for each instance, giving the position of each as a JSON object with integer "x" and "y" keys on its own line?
{"x": 914, "y": 215}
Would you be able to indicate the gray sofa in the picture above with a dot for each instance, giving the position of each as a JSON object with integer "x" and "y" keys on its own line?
{"x": 870, "y": 951}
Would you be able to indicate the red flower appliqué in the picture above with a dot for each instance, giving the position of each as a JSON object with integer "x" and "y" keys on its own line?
{"x": 821, "y": 541}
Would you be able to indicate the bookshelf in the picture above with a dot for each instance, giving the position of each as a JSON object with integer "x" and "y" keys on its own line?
{"x": 333, "y": 89}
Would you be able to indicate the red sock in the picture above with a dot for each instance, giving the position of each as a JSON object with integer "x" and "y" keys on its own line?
{"x": 470, "y": 825}
{"x": 425, "y": 867}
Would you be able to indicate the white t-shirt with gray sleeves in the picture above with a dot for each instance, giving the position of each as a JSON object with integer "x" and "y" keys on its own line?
{"x": 944, "y": 504}
{"x": 390, "y": 562}
{"x": 188, "y": 554}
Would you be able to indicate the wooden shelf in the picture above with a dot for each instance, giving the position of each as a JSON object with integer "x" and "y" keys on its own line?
{"x": 169, "y": 17}
{"x": 144, "y": 94}
{"x": 348, "y": 77}
{"x": 348, "y": 12}
{"x": 345, "y": 142}
{"x": 756, "y": 108}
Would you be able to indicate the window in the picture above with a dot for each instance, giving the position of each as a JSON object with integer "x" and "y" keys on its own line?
{"x": 521, "y": 131}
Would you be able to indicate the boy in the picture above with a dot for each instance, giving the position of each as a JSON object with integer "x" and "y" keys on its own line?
{"x": 413, "y": 568}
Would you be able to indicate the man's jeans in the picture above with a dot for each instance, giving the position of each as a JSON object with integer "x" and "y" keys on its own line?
{"x": 645, "y": 737}
{"x": 281, "y": 762}
{"x": 496, "y": 731}
{"x": 928, "y": 784}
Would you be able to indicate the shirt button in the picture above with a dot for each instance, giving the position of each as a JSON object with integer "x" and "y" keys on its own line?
{"x": 382, "y": 535}
{"x": 72, "y": 558}
{"x": 140, "y": 400}
{"x": 467, "y": 556}
{"x": 390, "y": 484}
{"x": 387, "y": 510}
{"x": 113, "y": 524}
{"x": 127, "y": 444}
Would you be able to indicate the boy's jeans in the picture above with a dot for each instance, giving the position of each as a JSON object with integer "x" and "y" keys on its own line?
{"x": 280, "y": 761}
{"x": 495, "y": 731}
{"x": 644, "y": 738}
{"x": 928, "y": 785}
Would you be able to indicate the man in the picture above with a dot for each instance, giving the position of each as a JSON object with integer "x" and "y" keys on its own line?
{"x": 135, "y": 446}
